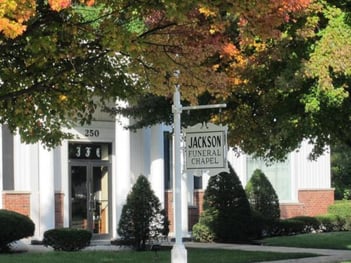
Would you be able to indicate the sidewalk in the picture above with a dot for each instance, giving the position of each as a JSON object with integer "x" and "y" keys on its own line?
{"x": 327, "y": 255}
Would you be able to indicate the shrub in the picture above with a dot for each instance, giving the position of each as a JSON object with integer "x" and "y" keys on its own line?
{"x": 286, "y": 227}
{"x": 310, "y": 223}
{"x": 67, "y": 239}
{"x": 202, "y": 232}
{"x": 262, "y": 196}
{"x": 261, "y": 225}
{"x": 142, "y": 219}
{"x": 227, "y": 214}
{"x": 342, "y": 209}
{"x": 13, "y": 227}
{"x": 331, "y": 222}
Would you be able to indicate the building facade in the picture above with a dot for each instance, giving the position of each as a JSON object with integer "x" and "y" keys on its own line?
{"x": 84, "y": 182}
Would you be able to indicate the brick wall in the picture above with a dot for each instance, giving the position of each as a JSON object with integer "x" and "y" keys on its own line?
{"x": 316, "y": 202}
{"x": 17, "y": 201}
{"x": 291, "y": 210}
{"x": 59, "y": 210}
{"x": 169, "y": 209}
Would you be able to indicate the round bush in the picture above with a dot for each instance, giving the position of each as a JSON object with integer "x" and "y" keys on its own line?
{"x": 67, "y": 239}
{"x": 142, "y": 219}
{"x": 227, "y": 214}
{"x": 262, "y": 196}
{"x": 13, "y": 227}
{"x": 201, "y": 231}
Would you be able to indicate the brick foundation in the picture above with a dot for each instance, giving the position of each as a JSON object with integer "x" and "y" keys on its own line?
{"x": 311, "y": 203}
{"x": 169, "y": 209}
{"x": 17, "y": 201}
{"x": 316, "y": 202}
{"x": 291, "y": 210}
{"x": 59, "y": 210}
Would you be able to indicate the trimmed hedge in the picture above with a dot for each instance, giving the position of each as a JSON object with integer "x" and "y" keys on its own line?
{"x": 311, "y": 224}
{"x": 330, "y": 223}
{"x": 13, "y": 227}
{"x": 340, "y": 208}
{"x": 67, "y": 239}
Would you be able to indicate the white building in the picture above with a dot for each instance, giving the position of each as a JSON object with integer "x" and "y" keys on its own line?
{"x": 84, "y": 182}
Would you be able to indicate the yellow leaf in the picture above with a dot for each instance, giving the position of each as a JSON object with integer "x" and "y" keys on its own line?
{"x": 206, "y": 12}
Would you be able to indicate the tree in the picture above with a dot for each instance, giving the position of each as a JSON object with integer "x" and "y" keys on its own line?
{"x": 288, "y": 87}
{"x": 142, "y": 219}
{"x": 297, "y": 88}
{"x": 66, "y": 55}
{"x": 341, "y": 170}
{"x": 262, "y": 196}
{"x": 226, "y": 213}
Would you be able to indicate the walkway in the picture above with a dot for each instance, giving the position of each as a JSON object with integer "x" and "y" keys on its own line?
{"x": 327, "y": 255}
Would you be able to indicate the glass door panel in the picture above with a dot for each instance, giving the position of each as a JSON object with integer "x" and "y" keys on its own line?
{"x": 100, "y": 195}
{"x": 79, "y": 196}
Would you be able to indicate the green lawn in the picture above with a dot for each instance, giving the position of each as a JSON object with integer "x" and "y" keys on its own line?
{"x": 332, "y": 240}
{"x": 194, "y": 256}
{"x": 336, "y": 240}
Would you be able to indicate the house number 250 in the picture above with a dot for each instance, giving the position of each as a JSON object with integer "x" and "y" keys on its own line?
{"x": 92, "y": 133}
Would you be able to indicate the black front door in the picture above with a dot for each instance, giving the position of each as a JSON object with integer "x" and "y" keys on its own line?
{"x": 90, "y": 205}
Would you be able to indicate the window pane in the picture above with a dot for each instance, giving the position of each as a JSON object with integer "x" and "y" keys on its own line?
{"x": 278, "y": 174}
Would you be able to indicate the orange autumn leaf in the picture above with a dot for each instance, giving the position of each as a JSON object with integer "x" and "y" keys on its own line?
{"x": 230, "y": 50}
{"x": 58, "y": 5}
{"x": 13, "y": 15}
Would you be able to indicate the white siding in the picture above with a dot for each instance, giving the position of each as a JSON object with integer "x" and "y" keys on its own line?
{"x": 311, "y": 174}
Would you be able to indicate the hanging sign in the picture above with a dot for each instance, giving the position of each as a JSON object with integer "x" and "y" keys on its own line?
{"x": 206, "y": 148}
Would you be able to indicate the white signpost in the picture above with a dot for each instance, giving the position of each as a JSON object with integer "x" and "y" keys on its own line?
{"x": 201, "y": 145}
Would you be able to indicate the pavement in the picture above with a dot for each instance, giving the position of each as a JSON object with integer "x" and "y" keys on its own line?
{"x": 326, "y": 255}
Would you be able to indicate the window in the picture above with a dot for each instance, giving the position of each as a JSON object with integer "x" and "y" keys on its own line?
{"x": 197, "y": 182}
{"x": 168, "y": 157}
{"x": 90, "y": 151}
{"x": 279, "y": 174}
{"x": 7, "y": 159}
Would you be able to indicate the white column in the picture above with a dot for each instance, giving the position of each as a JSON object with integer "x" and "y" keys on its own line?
{"x": 65, "y": 177}
{"x": 1, "y": 168}
{"x": 121, "y": 172}
{"x": 46, "y": 190}
{"x": 157, "y": 162}
{"x": 22, "y": 165}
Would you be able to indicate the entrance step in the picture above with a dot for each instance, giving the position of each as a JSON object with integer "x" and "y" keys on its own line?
{"x": 100, "y": 242}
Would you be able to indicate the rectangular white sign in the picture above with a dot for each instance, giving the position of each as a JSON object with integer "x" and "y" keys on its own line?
{"x": 206, "y": 150}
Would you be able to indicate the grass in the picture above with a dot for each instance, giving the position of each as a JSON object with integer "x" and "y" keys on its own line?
{"x": 195, "y": 255}
{"x": 332, "y": 240}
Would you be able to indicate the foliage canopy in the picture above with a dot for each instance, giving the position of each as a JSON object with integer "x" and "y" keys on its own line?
{"x": 282, "y": 67}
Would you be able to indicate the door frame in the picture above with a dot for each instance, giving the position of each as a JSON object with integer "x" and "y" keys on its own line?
{"x": 89, "y": 164}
